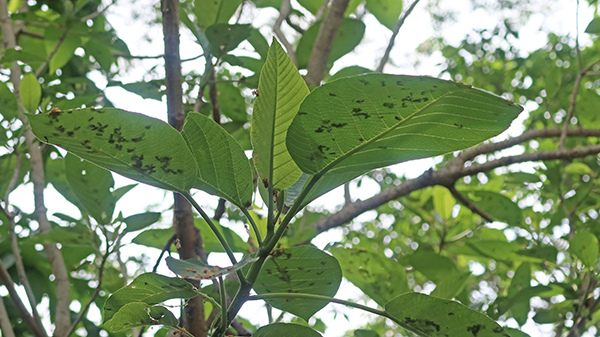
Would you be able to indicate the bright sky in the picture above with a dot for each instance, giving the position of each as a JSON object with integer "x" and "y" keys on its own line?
{"x": 415, "y": 31}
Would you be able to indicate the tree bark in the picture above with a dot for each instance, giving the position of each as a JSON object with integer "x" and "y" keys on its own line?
{"x": 190, "y": 240}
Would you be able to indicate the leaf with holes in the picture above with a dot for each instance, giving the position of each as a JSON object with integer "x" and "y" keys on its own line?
{"x": 281, "y": 89}
{"x": 355, "y": 124}
{"x": 224, "y": 169}
{"x": 149, "y": 288}
{"x": 134, "y": 145}
{"x": 194, "y": 269}
{"x": 305, "y": 270}
{"x": 435, "y": 317}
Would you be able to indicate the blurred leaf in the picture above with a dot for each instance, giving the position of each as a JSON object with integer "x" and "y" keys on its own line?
{"x": 209, "y": 12}
{"x": 285, "y": 329}
{"x": 584, "y": 246}
{"x": 140, "y": 221}
{"x": 496, "y": 205}
{"x": 31, "y": 92}
{"x": 136, "y": 314}
{"x": 196, "y": 270}
{"x": 224, "y": 38}
{"x": 578, "y": 168}
{"x": 593, "y": 27}
{"x": 387, "y": 12}
{"x": 443, "y": 202}
{"x": 8, "y": 103}
{"x": 77, "y": 235}
{"x": 442, "y": 271}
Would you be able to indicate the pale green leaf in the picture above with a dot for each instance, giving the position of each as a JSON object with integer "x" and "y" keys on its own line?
{"x": 387, "y": 12}
{"x": 350, "y": 126}
{"x": 223, "y": 168}
{"x": 134, "y": 145}
{"x": 303, "y": 269}
{"x": 63, "y": 44}
{"x": 429, "y": 316}
{"x": 31, "y": 92}
{"x": 584, "y": 245}
{"x": 377, "y": 276}
{"x": 443, "y": 202}
{"x": 149, "y": 288}
{"x": 209, "y": 12}
{"x": 281, "y": 90}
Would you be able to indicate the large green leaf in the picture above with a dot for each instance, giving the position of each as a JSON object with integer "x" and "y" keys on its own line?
{"x": 31, "y": 92}
{"x": 134, "y": 145}
{"x": 92, "y": 185}
{"x": 434, "y": 317}
{"x": 377, "y": 276}
{"x": 349, "y": 36}
{"x": 136, "y": 314}
{"x": 281, "y": 90}
{"x": 149, "y": 288}
{"x": 224, "y": 169}
{"x": 303, "y": 269}
{"x": 355, "y": 124}
{"x": 285, "y": 329}
{"x": 386, "y": 11}
{"x": 584, "y": 245}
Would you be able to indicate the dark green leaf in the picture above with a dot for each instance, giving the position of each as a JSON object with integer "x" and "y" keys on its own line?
{"x": 224, "y": 169}
{"x": 355, "y": 124}
{"x": 521, "y": 280}
{"x": 147, "y": 89}
{"x": 156, "y": 238}
{"x": 377, "y": 276}
{"x": 209, "y": 12}
{"x": 67, "y": 40}
{"x": 136, "y": 314}
{"x": 499, "y": 207}
{"x": 140, "y": 221}
{"x": 303, "y": 269}
{"x": 387, "y": 12}
{"x": 365, "y": 333}
{"x": 149, "y": 288}
{"x": 224, "y": 38}
{"x": 434, "y": 317}
{"x": 78, "y": 235}
{"x": 285, "y": 329}
{"x": 584, "y": 246}
{"x": 449, "y": 280}
{"x": 134, "y": 145}
{"x": 8, "y": 103}
{"x": 349, "y": 36}
{"x": 593, "y": 27}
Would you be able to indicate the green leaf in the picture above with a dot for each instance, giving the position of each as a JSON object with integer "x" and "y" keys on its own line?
{"x": 8, "y": 164}
{"x": 355, "y": 124}
{"x": 140, "y": 221}
{"x": 224, "y": 169}
{"x": 303, "y": 269}
{"x": 92, "y": 185}
{"x": 78, "y": 235}
{"x": 584, "y": 245}
{"x": 156, "y": 238}
{"x": 136, "y": 314}
{"x": 285, "y": 329}
{"x": 349, "y": 71}
{"x": 281, "y": 89}
{"x": 196, "y": 270}
{"x": 365, "y": 333}
{"x": 593, "y": 27}
{"x": 209, "y": 12}
{"x": 434, "y": 317}
{"x": 387, "y": 12}
{"x": 449, "y": 280}
{"x": 443, "y": 202}
{"x": 259, "y": 43}
{"x": 578, "y": 168}
{"x": 498, "y": 206}
{"x": 55, "y": 35}
{"x": 377, "y": 276}
{"x": 9, "y": 108}
{"x": 224, "y": 38}
{"x": 349, "y": 36}
{"x": 134, "y": 145}
{"x": 312, "y": 6}
{"x": 149, "y": 288}
{"x": 145, "y": 89}
{"x": 231, "y": 102}
{"x": 521, "y": 280}
{"x": 31, "y": 92}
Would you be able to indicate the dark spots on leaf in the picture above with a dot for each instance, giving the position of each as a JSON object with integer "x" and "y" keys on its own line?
{"x": 383, "y": 83}
{"x": 399, "y": 83}
{"x": 320, "y": 272}
{"x": 322, "y": 263}
{"x": 61, "y": 129}
{"x": 70, "y": 133}
{"x": 137, "y": 139}
{"x": 100, "y": 111}
{"x": 301, "y": 113}
{"x": 147, "y": 127}
{"x": 361, "y": 114}
{"x": 450, "y": 314}
{"x": 166, "y": 162}
{"x": 98, "y": 127}
{"x": 46, "y": 138}
{"x": 361, "y": 139}
{"x": 360, "y": 101}
{"x": 497, "y": 329}
{"x": 423, "y": 93}
{"x": 119, "y": 147}
{"x": 130, "y": 150}
{"x": 90, "y": 119}
{"x": 332, "y": 94}
{"x": 323, "y": 148}
{"x": 356, "y": 110}
{"x": 149, "y": 168}
{"x": 474, "y": 329}
{"x": 363, "y": 81}
{"x": 319, "y": 130}
{"x": 398, "y": 118}
{"x": 86, "y": 144}
{"x": 460, "y": 126}
{"x": 311, "y": 284}
{"x": 339, "y": 125}
{"x": 404, "y": 105}
{"x": 76, "y": 128}
{"x": 388, "y": 105}
{"x": 54, "y": 134}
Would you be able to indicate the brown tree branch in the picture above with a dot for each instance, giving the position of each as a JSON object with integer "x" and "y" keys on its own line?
{"x": 5, "y": 325}
{"x": 454, "y": 170}
{"x": 183, "y": 217}
{"x": 469, "y": 204}
{"x": 388, "y": 50}
{"x": 317, "y": 64}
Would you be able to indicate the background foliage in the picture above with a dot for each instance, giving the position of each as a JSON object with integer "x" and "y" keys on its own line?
{"x": 507, "y": 227}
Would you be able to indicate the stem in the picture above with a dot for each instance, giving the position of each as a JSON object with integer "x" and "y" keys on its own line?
{"x": 253, "y": 225}
{"x": 224, "y": 320}
{"x": 217, "y": 233}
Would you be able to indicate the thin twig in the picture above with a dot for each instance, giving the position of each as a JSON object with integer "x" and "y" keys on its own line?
{"x": 97, "y": 13}
{"x": 60, "y": 41}
{"x": 163, "y": 251}
{"x": 388, "y": 50}
{"x": 284, "y": 12}
{"x": 5, "y": 325}
{"x": 469, "y": 204}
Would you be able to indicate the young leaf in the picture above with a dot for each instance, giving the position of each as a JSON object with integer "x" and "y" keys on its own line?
{"x": 224, "y": 169}
{"x": 285, "y": 329}
{"x": 149, "y": 288}
{"x": 134, "y": 145}
{"x": 281, "y": 90}
{"x": 355, "y": 124}
{"x": 31, "y": 92}
{"x": 377, "y": 276}
{"x": 386, "y": 11}
{"x": 303, "y": 269}
{"x": 194, "y": 269}
{"x": 92, "y": 185}
{"x": 434, "y": 317}
{"x": 443, "y": 202}
{"x": 140, "y": 221}
{"x": 136, "y": 314}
